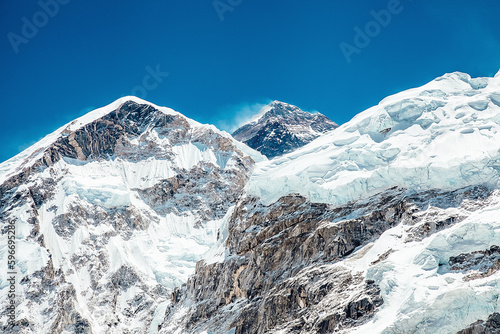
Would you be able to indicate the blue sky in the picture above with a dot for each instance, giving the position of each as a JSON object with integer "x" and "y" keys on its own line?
{"x": 226, "y": 57}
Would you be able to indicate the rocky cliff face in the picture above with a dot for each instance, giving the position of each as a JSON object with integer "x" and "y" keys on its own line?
{"x": 290, "y": 264}
{"x": 490, "y": 326}
{"x": 281, "y": 128}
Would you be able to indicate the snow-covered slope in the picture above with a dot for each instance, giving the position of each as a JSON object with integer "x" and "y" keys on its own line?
{"x": 387, "y": 224}
{"x": 111, "y": 212}
{"x": 280, "y": 128}
{"x": 443, "y": 135}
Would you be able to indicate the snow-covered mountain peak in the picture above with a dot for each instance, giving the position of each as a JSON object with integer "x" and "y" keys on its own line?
{"x": 282, "y": 108}
{"x": 276, "y": 109}
{"x": 100, "y": 112}
{"x": 273, "y": 108}
{"x": 131, "y": 117}
{"x": 114, "y": 209}
{"x": 281, "y": 127}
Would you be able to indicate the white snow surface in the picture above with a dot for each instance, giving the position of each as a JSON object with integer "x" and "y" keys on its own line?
{"x": 445, "y": 134}
{"x": 421, "y": 295}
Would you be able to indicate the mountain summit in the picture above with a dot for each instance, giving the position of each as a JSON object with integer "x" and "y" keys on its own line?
{"x": 280, "y": 128}
{"x": 112, "y": 211}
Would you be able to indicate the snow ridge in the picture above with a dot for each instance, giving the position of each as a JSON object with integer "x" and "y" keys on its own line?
{"x": 443, "y": 135}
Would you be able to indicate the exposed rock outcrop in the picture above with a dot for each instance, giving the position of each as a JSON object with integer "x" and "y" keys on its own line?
{"x": 477, "y": 264}
{"x": 490, "y": 326}
{"x": 281, "y": 128}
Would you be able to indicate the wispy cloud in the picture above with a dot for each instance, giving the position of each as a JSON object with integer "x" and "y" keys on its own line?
{"x": 233, "y": 116}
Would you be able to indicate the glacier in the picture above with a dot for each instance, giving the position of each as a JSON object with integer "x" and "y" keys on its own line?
{"x": 422, "y": 138}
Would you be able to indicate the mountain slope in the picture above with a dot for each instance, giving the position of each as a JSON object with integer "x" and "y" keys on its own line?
{"x": 280, "y": 128}
{"x": 387, "y": 224}
{"x": 136, "y": 219}
{"x": 111, "y": 212}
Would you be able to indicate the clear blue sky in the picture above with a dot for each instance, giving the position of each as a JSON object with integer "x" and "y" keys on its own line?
{"x": 89, "y": 53}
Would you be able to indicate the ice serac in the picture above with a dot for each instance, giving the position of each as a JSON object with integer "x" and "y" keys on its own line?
{"x": 280, "y": 128}
{"x": 442, "y": 135}
{"x": 112, "y": 211}
{"x": 387, "y": 224}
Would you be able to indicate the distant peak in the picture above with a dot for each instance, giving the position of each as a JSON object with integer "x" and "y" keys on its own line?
{"x": 280, "y": 128}
{"x": 275, "y": 108}
{"x": 279, "y": 103}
